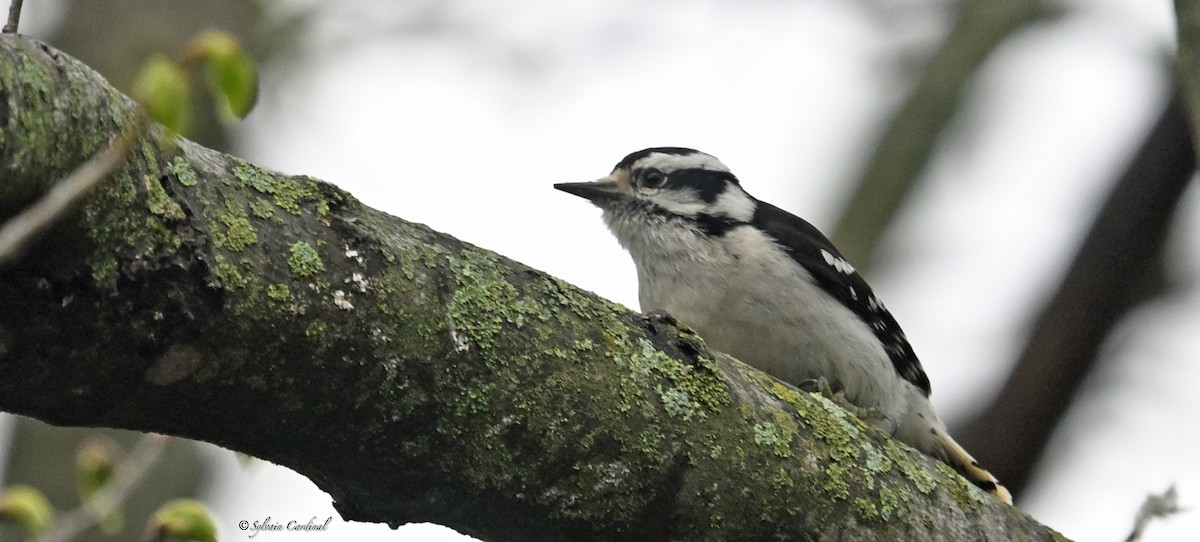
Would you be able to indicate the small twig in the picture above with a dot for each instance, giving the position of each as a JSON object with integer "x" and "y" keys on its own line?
{"x": 104, "y": 502}
{"x": 14, "y": 16}
{"x": 22, "y": 228}
{"x": 1155, "y": 506}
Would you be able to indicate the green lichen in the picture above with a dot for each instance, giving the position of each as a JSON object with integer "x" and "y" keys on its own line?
{"x": 104, "y": 269}
{"x": 485, "y": 303}
{"x": 480, "y": 310}
{"x": 835, "y": 481}
{"x": 430, "y": 255}
{"x": 286, "y": 192}
{"x": 584, "y": 345}
{"x": 687, "y": 392}
{"x": 918, "y": 475}
{"x": 315, "y": 329}
{"x": 229, "y": 275}
{"x": 150, "y": 156}
{"x": 279, "y": 292}
{"x": 241, "y": 233}
{"x": 829, "y": 422}
{"x": 678, "y": 403}
{"x": 115, "y": 224}
{"x": 857, "y": 461}
{"x": 304, "y": 260}
{"x": 233, "y": 230}
{"x": 34, "y": 136}
{"x": 876, "y": 461}
{"x": 237, "y": 235}
{"x": 159, "y": 203}
{"x": 323, "y": 211}
{"x": 968, "y": 496}
{"x": 929, "y": 521}
{"x": 262, "y": 209}
{"x": 777, "y": 441}
{"x": 781, "y": 479}
{"x": 182, "y": 170}
{"x": 890, "y": 500}
{"x": 866, "y": 509}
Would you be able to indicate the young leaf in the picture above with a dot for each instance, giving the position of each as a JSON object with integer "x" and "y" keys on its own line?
{"x": 162, "y": 88}
{"x": 231, "y": 72}
{"x": 26, "y": 507}
{"x": 94, "y": 465}
{"x": 183, "y": 519}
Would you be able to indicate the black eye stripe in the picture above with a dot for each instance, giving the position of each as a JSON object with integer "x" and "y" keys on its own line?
{"x": 707, "y": 183}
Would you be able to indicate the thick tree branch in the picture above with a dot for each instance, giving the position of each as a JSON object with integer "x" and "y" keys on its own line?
{"x": 412, "y": 376}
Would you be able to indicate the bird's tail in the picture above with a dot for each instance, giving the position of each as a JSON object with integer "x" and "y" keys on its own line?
{"x": 961, "y": 461}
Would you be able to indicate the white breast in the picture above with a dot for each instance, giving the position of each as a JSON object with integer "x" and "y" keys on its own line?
{"x": 745, "y": 296}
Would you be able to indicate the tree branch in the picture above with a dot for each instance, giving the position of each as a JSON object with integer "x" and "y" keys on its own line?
{"x": 412, "y": 376}
{"x": 20, "y": 229}
{"x": 14, "y": 16}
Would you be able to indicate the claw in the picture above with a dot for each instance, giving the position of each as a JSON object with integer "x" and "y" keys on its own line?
{"x": 812, "y": 385}
{"x": 655, "y": 316}
{"x": 870, "y": 415}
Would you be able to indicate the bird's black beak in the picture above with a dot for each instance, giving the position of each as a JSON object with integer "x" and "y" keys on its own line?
{"x": 606, "y": 189}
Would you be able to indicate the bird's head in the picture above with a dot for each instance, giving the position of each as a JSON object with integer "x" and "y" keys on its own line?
{"x": 671, "y": 183}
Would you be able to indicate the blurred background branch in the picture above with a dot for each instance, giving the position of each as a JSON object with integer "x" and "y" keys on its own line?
{"x": 1118, "y": 267}
{"x": 127, "y": 473}
{"x": 910, "y": 136}
{"x": 14, "y": 17}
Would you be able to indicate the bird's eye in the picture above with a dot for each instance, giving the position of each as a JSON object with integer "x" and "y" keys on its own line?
{"x": 653, "y": 178}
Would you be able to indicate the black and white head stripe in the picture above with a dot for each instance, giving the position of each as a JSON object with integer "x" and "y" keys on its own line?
{"x": 813, "y": 251}
{"x": 690, "y": 184}
{"x": 670, "y": 159}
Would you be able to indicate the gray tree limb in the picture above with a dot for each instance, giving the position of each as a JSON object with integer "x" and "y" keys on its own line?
{"x": 412, "y": 376}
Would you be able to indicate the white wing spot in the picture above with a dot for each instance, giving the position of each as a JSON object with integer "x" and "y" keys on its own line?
{"x": 874, "y": 304}
{"x": 837, "y": 263}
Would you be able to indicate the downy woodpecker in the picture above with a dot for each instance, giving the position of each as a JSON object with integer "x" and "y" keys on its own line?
{"x": 766, "y": 287}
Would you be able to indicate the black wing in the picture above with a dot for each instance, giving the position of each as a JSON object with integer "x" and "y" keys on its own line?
{"x": 812, "y": 250}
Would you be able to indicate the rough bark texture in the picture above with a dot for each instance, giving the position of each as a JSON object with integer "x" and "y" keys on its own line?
{"x": 412, "y": 376}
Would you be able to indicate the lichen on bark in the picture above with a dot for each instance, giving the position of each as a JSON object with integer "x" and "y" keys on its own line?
{"x": 412, "y": 376}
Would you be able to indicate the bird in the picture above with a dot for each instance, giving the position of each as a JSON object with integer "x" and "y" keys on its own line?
{"x": 768, "y": 288}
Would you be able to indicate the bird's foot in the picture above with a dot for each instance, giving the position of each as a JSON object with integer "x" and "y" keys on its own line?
{"x": 870, "y": 415}
{"x": 659, "y": 317}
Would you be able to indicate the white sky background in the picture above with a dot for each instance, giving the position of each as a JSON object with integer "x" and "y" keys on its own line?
{"x": 465, "y": 127}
